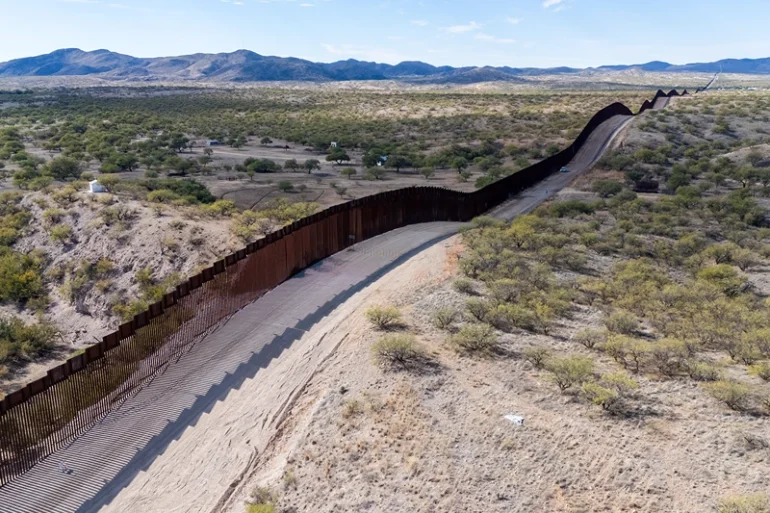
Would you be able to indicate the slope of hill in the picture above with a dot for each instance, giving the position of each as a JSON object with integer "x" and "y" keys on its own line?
{"x": 247, "y": 66}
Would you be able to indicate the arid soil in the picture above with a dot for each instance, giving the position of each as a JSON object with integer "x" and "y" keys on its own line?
{"x": 362, "y": 438}
{"x": 167, "y": 242}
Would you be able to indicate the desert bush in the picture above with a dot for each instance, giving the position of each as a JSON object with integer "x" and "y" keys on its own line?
{"x": 464, "y": 286}
{"x": 759, "y": 503}
{"x": 20, "y": 275}
{"x": 622, "y": 322}
{"x": 486, "y": 222}
{"x": 478, "y": 308}
{"x": 118, "y": 215}
{"x": 762, "y": 370}
{"x": 606, "y": 188}
{"x": 602, "y": 396}
{"x": 61, "y": 233}
{"x": 352, "y": 408}
{"x": 262, "y": 501}
{"x": 53, "y": 216}
{"x": 475, "y": 338}
{"x": 444, "y": 317}
{"x": 725, "y": 277}
{"x": 590, "y": 338}
{"x": 745, "y": 259}
{"x": 537, "y": 356}
{"x": 622, "y": 383}
{"x": 668, "y": 356}
{"x": 636, "y": 353}
{"x": 702, "y": 371}
{"x": 570, "y": 371}
{"x": 162, "y": 196}
{"x": 65, "y": 196}
{"x": 20, "y": 340}
{"x": 220, "y": 208}
{"x": 616, "y": 348}
{"x": 735, "y": 395}
{"x": 571, "y": 208}
{"x": 398, "y": 349}
{"x": 249, "y": 224}
{"x": 721, "y": 253}
{"x": 383, "y": 317}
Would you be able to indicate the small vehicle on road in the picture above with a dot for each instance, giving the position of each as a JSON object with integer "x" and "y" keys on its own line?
{"x": 564, "y": 170}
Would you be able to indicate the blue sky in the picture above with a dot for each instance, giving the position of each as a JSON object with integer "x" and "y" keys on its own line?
{"x": 537, "y": 33}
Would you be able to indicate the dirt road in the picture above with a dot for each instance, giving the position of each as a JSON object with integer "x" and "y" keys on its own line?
{"x": 183, "y": 440}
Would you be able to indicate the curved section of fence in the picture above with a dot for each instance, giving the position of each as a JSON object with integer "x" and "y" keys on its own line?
{"x": 52, "y": 411}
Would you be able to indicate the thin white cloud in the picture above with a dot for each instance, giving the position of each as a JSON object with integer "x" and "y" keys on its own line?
{"x": 307, "y": 5}
{"x": 550, "y": 3}
{"x": 493, "y": 39}
{"x": 513, "y": 21}
{"x": 420, "y": 23}
{"x": 80, "y": 1}
{"x": 459, "y": 29}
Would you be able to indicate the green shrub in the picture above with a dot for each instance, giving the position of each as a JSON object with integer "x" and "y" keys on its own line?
{"x": 725, "y": 277}
{"x": 21, "y": 340}
{"x": 505, "y": 316}
{"x": 220, "y": 208}
{"x": 570, "y": 371}
{"x": 668, "y": 356}
{"x": 762, "y": 370}
{"x": 478, "y": 308}
{"x": 464, "y": 286}
{"x": 602, "y": 396}
{"x": 703, "y": 371}
{"x": 590, "y": 338}
{"x": 182, "y": 188}
{"x": 444, "y": 317}
{"x": 8, "y": 236}
{"x": 759, "y": 503}
{"x": 384, "y": 317}
{"x": 53, "y": 216}
{"x": 249, "y": 224}
{"x": 571, "y": 208}
{"x": 61, "y": 233}
{"x": 162, "y": 196}
{"x": 621, "y": 382}
{"x": 475, "y": 338}
{"x": 537, "y": 356}
{"x": 20, "y": 276}
{"x": 606, "y": 188}
{"x": 397, "y": 349}
{"x": 734, "y": 395}
{"x": 118, "y": 215}
{"x": 262, "y": 501}
{"x": 622, "y": 322}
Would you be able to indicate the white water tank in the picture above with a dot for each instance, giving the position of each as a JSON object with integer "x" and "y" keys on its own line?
{"x": 95, "y": 187}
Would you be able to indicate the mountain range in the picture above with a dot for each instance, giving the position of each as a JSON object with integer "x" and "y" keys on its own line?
{"x": 247, "y": 66}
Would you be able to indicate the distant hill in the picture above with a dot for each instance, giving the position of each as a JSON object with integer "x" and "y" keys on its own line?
{"x": 247, "y": 66}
